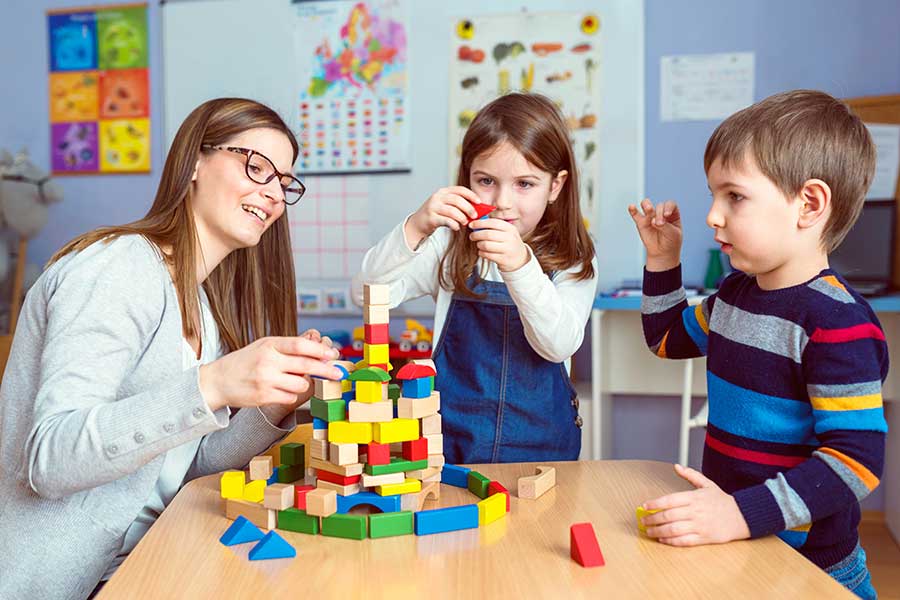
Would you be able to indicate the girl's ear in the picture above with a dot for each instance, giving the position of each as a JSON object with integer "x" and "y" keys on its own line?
{"x": 815, "y": 198}
{"x": 556, "y": 185}
{"x": 196, "y": 168}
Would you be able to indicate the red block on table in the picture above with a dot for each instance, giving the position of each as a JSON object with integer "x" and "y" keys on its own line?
{"x": 337, "y": 479}
{"x": 416, "y": 449}
{"x": 300, "y": 495}
{"x": 379, "y": 454}
{"x": 377, "y": 334}
{"x": 495, "y": 487}
{"x": 584, "y": 547}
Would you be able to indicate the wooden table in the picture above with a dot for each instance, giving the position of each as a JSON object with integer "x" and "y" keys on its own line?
{"x": 525, "y": 555}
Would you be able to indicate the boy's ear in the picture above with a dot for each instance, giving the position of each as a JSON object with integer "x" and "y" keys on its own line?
{"x": 815, "y": 196}
{"x": 556, "y": 185}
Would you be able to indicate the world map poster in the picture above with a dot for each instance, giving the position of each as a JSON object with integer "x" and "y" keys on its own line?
{"x": 354, "y": 101}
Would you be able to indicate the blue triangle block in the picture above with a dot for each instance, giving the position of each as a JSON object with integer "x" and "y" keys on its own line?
{"x": 240, "y": 532}
{"x": 272, "y": 546}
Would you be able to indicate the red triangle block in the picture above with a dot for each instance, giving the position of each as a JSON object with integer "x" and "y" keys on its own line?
{"x": 482, "y": 210}
{"x": 584, "y": 547}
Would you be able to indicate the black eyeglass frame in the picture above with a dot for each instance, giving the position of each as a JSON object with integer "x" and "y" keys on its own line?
{"x": 249, "y": 153}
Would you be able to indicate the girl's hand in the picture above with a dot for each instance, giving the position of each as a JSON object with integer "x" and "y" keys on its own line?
{"x": 499, "y": 241}
{"x": 450, "y": 207}
{"x": 270, "y": 372}
{"x": 660, "y": 231}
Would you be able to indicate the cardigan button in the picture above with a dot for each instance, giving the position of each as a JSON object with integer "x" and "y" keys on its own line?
{"x": 112, "y": 449}
{"x": 139, "y": 437}
{"x": 169, "y": 427}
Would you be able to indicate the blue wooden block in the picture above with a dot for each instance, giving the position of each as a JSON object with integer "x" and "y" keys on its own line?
{"x": 417, "y": 388}
{"x": 241, "y": 532}
{"x": 275, "y": 546}
{"x": 384, "y": 503}
{"x": 274, "y": 477}
{"x": 440, "y": 520}
{"x": 319, "y": 423}
{"x": 349, "y": 395}
{"x": 454, "y": 475}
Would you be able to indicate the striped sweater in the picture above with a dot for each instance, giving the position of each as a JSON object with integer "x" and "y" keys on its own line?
{"x": 796, "y": 428}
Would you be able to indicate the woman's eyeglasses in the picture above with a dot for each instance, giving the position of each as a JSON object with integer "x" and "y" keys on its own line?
{"x": 262, "y": 170}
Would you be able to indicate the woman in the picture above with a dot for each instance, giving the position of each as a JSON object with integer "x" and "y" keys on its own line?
{"x": 134, "y": 343}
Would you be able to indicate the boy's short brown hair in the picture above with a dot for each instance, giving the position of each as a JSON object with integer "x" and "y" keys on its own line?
{"x": 800, "y": 135}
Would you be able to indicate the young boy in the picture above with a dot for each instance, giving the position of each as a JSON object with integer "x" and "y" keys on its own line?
{"x": 796, "y": 358}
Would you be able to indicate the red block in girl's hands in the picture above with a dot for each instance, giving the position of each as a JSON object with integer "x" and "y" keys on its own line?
{"x": 483, "y": 210}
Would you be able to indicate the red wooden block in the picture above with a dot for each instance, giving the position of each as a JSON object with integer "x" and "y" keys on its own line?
{"x": 495, "y": 487}
{"x": 482, "y": 209}
{"x": 300, "y": 495}
{"x": 377, "y": 334}
{"x": 416, "y": 449}
{"x": 379, "y": 454}
{"x": 335, "y": 478}
{"x": 584, "y": 547}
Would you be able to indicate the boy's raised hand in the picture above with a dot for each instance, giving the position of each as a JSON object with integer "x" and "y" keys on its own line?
{"x": 450, "y": 207}
{"x": 660, "y": 230}
{"x": 706, "y": 515}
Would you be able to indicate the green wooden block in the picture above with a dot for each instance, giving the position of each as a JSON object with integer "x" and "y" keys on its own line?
{"x": 291, "y": 473}
{"x": 431, "y": 382}
{"x": 397, "y": 465}
{"x": 393, "y": 392}
{"x": 328, "y": 410}
{"x": 292, "y": 454}
{"x": 352, "y": 527}
{"x": 294, "y": 519}
{"x": 390, "y": 524}
{"x": 478, "y": 484}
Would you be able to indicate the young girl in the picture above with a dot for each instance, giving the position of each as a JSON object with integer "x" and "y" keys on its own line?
{"x": 117, "y": 390}
{"x": 513, "y": 291}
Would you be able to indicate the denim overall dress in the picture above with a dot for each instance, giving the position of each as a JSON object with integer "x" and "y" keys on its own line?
{"x": 500, "y": 400}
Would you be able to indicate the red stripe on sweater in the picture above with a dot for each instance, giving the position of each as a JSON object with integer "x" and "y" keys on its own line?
{"x": 847, "y": 334}
{"x": 762, "y": 458}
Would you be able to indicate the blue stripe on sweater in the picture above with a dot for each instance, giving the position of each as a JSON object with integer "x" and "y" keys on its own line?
{"x": 750, "y": 414}
{"x": 867, "y": 419}
{"x": 689, "y": 317}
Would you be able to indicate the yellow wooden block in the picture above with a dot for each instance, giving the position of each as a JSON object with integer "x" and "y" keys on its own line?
{"x": 255, "y": 491}
{"x": 491, "y": 508}
{"x": 410, "y": 486}
{"x": 345, "y": 432}
{"x": 346, "y": 385}
{"x": 375, "y": 354}
{"x": 642, "y": 512}
{"x": 398, "y": 430}
{"x": 231, "y": 484}
{"x": 369, "y": 391}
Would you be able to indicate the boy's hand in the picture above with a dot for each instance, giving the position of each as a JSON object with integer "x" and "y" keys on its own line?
{"x": 660, "y": 231}
{"x": 706, "y": 515}
{"x": 450, "y": 207}
{"x": 500, "y": 242}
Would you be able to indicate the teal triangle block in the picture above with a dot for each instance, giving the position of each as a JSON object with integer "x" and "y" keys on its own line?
{"x": 272, "y": 546}
{"x": 240, "y": 532}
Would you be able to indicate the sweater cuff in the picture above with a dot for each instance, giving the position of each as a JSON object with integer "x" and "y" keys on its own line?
{"x": 760, "y": 510}
{"x": 659, "y": 283}
{"x": 530, "y": 270}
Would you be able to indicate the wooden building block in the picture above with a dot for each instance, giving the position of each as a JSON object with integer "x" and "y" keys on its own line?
{"x": 415, "y": 449}
{"x": 294, "y": 519}
{"x": 345, "y": 432}
{"x": 271, "y": 546}
{"x": 326, "y": 389}
{"x": 378, "y": 454}
{"x": 337, "y": 479}
{"x": 376, "y": 353}
{"x": 398, "y": 430}
{"x": 386, "y": 479}
{"x": 353, "y": 527}
{"x": 371, "y": 412}
{"x": 431, "y": 424}
{"x": 231, "y": 484}
{"x": 423, "y": 474}
{"x": 278, "y": 496}
{"x": 409, "y": 486}
{"x": 435, "y": 443}
{"x": 300, "y": 492}
{"x": 343, "y": 454}
{"x": 495, "y": 487}
{"x": 584, "y": 548}
{"x": 417, "y": 388}
{"x": 397, "y": 465}
{"x": 328, "y": 410}
{"x": 256, "y": 513}
{"x": 391, "y": 524}
{"x": 289, "y": 474}
{"x": 340, "y": 490}
{"x": 377, "y": 334}
{"x": 376, "y": 293}
{"x": 455, "y": 475}
{"x": 255, "y": 490}
{"x": 343, "y": 470}
{"x": 376, "y": 315}
{"x": 320, "y": 434}
{"x": 318, "y": 449}
{"x": 430, "y": 491}
{"x": 292, "y": 454}
{"x": 394, "y": 392}
{"x": 382, "y": 503}
{"x": 440, "y": 520}
{"x": 370, "y": 391}
{"x": 321, "y": 502}
{"x": 261, "y": 467}
{"x": 491, "y": 508}
{"x": 535, "y": 486}
{"x": 241, "y": 532}
{"x": 641, "y": 512}
{"x": 436, "y": 460}
{"x": 478, "y": 484}
{"x": 418, "y": 408}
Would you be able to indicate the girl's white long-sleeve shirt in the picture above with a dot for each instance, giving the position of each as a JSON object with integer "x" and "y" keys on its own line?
{"x": 553, "y": 312}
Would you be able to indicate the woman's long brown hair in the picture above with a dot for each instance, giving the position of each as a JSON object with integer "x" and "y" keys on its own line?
{"x": 252, "y": 292}
{"x": 532, "y": 124}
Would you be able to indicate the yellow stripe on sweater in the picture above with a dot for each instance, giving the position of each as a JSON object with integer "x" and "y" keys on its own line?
{"x": 662, "y": 346}
{"x": 701, "y": 320}
{"x": 847, "y": 402}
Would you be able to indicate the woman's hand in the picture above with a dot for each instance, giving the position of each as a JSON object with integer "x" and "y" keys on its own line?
{"x": 500, "y": 242}
{"x": 270, "y": 372}
{"x": 450, "y": 207}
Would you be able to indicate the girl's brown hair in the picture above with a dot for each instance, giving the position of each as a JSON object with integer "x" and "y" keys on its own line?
{"x": 252, "y": 292}
{"x": 533, "y": 125}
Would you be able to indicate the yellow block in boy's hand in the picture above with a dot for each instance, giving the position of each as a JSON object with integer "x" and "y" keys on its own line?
{"x": 642, "y": 512}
